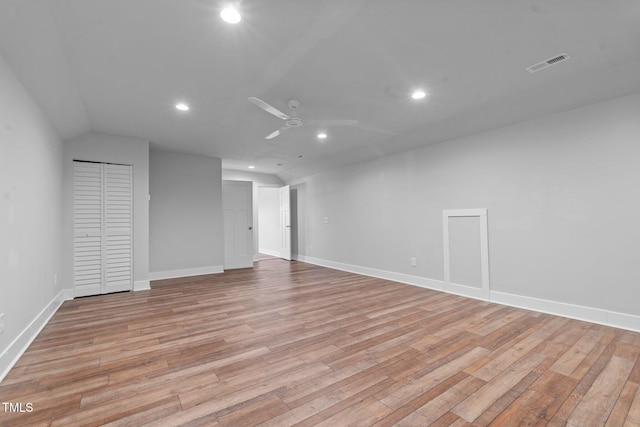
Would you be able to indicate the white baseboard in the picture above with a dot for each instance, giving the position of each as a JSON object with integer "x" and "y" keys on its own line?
{"x": 623, "y": 321}
{"x": 19, "y": 345}
{"x": 141, "y": 285}
{"x": 373, "y": 272}
{"x": 590, "y": 314}
{"x": 467, "y": 291}
{"x": 197, "y": 271}
{"x": 67, "y": 294}
{"x": 270, "y": 252}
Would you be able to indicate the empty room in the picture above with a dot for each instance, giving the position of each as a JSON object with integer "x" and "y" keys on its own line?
{"x": 319, "y": 213}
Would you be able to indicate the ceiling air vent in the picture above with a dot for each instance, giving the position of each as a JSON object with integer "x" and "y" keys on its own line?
{"x": 547, "y": 63}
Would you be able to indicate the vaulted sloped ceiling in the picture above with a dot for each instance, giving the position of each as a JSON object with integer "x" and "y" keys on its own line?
{"x": 119, "y": 67}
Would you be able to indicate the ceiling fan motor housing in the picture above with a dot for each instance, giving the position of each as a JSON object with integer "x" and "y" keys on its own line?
{"x": 294, "y": 122}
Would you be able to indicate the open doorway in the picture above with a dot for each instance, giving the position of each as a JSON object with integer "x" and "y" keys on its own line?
{"x": 268, "y": 221}
{"x": 274, "y": 222}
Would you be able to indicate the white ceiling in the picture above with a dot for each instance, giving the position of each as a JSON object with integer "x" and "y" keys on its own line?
{"x": 119, "y": 66}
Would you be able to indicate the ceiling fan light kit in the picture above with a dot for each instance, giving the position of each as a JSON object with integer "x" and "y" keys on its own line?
{"x": 294, "y": 121}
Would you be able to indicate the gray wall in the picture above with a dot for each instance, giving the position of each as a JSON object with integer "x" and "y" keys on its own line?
{"x": 561, "y": 192}
{"x": 30, "y": 211}
{"x": 111, "y": 149}
{"x": 186, "y": 222}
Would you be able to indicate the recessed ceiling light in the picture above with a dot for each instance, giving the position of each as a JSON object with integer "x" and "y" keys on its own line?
{"x": 252, "y": 167}
{"x": 230, "y": 15}
{"x": 182, "y": 107}
{"x": 418, "y": 94}
{"x": 322, "y": 135}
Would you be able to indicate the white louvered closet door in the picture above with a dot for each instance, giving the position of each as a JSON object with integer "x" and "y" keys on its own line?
{"x": 87, "y": 218}
{"x": 118, "y": 226}
{"x": 103, "y": 222}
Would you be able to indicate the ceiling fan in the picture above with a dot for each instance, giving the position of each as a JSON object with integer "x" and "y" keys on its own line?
{"x": 294, "y": 121}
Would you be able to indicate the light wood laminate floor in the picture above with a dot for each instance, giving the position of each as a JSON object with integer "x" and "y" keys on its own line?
{"x": 289, "y": 343}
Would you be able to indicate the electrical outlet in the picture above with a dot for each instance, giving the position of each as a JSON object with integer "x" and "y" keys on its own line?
{"x": 413, "y": 262}
{"x": 1, "y": 323}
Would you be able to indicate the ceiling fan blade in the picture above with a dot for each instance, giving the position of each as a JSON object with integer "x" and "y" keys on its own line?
{"x": 268, "y": 108}
{"x": 273, "y": 134}
{"x": 280, "y": 131}
{"x": 331, "y": 122}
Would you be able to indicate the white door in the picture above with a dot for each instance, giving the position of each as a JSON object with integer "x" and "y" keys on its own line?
{"x": 118, "y": 227}
{"x": 87, "y": 219}
{"x": 103, "y": 228}
{"x": 238, "y": 224}
{"x": 285, "y": 223}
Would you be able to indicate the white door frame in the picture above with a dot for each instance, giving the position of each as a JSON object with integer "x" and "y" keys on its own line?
{"x": 285, "y": 222}
{"x": 484, "y": 291}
